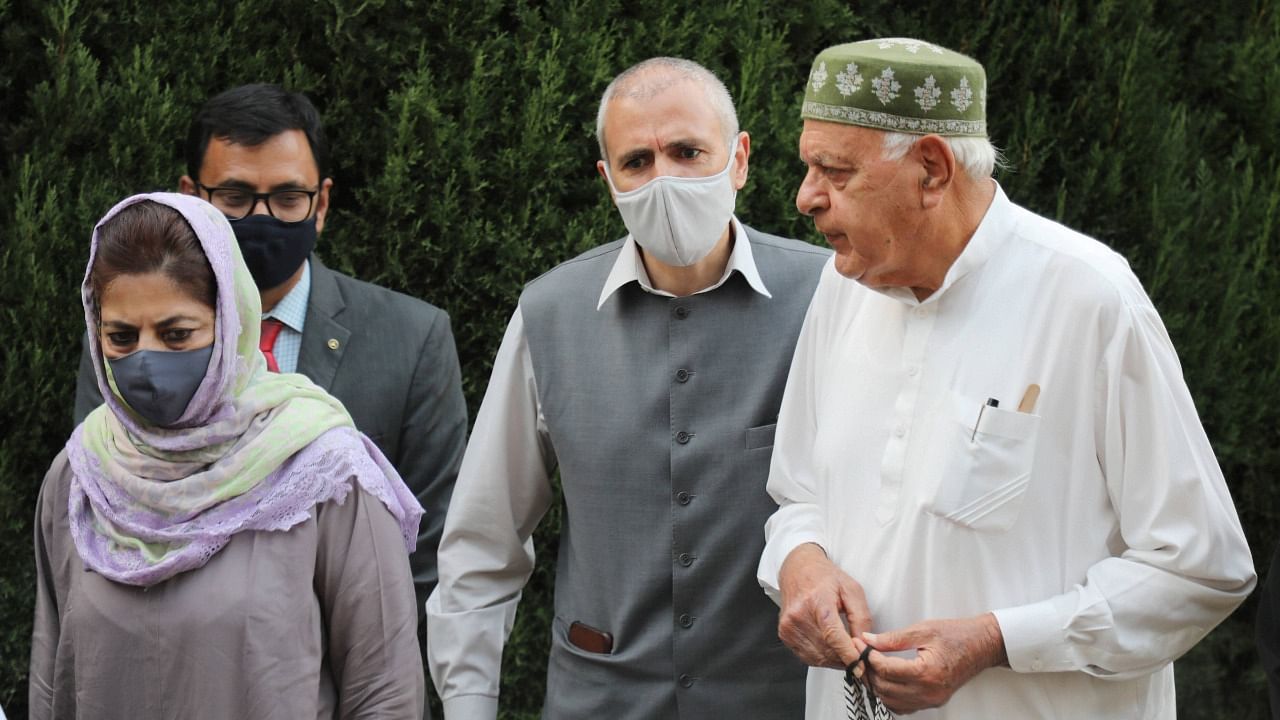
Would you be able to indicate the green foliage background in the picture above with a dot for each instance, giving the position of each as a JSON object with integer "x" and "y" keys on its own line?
{"x": 463, "y": 159}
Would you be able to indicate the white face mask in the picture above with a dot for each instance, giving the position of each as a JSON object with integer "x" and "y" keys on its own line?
{"x": 675, "y": 219}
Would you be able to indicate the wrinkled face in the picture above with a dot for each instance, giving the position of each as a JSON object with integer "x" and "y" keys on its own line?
{"x": 283, "y": 162}
{"x": 869, "y": 209}
{"x": 658, "y": 126}
{"x": 151, "y": 312}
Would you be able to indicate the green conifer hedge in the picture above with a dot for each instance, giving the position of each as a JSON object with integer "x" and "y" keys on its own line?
{"x": 464, "y": 165}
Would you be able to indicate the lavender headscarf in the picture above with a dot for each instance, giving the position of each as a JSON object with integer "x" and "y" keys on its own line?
{"x": 253, "y": 451}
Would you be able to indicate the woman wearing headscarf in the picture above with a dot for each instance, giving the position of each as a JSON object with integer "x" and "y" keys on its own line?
{"x": 215, "y": 541}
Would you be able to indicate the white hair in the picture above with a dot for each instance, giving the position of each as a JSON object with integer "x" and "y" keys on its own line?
{"x": 976, "y": 155}
{"x": 674, "y": 70}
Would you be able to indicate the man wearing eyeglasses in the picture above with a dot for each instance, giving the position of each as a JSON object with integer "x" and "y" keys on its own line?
{"x": 258, "y": 154}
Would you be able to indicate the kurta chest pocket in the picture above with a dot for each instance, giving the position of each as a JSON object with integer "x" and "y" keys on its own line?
{"x": 983, "y": 475}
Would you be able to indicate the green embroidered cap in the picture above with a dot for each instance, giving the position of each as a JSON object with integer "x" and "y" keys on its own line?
{"x": 898, "y": 84}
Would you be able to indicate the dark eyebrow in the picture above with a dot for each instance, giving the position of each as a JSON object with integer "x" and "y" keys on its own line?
{"x": 637, "y": 154}
{"x": 237, "y": 184}
{"x": 233, "y": 184}
{"x": 165, "y": 323}
{"x": 291, "y": 185}
{"x": 677, "y": 145}
{"x": 175, "y": 319}
{"x": 687, "y": 143}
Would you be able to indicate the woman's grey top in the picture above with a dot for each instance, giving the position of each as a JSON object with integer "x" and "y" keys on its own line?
{"x": 317, "y": 621}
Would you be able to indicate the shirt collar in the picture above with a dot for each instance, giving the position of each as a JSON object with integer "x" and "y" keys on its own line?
{"x": 630, "y": 268}
{"x": 991, "y": 232}
{"x": 292, "y": 308}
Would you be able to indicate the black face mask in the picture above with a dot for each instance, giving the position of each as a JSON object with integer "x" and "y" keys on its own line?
{"x": 274, "y": 249}
{"x": 159, "y": 384}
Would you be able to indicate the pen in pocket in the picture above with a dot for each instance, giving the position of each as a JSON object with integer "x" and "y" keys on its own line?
{"x": 1029, "y": 398}
{"x": 991, "y": 402}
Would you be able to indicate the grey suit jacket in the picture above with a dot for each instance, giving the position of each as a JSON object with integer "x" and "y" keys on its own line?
{"x": 391, "y": 360}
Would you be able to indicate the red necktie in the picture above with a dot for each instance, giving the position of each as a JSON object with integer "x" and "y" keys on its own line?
{"x": 267, "y": 343}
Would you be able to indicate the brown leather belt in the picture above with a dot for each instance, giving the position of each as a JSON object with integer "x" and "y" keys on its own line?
{"x": 585, "y": 637}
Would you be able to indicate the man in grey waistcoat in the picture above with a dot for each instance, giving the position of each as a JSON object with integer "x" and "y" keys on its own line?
{"x": 649, "y": 371}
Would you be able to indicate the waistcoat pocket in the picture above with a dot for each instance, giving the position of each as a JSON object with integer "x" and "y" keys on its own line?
{"x": 761, "y": 436}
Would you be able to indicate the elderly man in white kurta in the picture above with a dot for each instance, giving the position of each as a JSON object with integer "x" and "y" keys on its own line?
{"x": 995, "y": 493}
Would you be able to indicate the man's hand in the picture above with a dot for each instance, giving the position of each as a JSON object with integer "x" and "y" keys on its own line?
{"x": 949, "y": 653}
{"x": 818, "y": 599}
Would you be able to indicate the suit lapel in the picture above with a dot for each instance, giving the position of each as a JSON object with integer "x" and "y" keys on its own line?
{"x": 324, "y": 339}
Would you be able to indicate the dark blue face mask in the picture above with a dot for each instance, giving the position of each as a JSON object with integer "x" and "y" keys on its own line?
{"x": 274, "y": 249}
{"x": 159, "y": 384}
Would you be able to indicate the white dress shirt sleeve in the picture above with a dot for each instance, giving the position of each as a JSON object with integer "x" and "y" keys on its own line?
{"x": 792, "y": 483}
{"x": 1183, "y": 563}
{"x": 486, "y": 553}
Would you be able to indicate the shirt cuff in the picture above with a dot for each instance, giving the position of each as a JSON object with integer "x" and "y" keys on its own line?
{"x": 1035, "y": 636}
{"x": 470, "y": 707}
{"x": 775, "y": 554}
{"x": 464, "y": 649}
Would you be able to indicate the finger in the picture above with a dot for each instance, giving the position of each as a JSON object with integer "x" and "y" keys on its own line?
{"x": 908, "y": 638}
{"x": 854, "y": 603}
{"x": 837, "y": 640}
{"x": 856, "y": 666}
{"x": 859, "y": 645}
{"x": 799, "y": 623}
{"x": 899, "y": 697}
{"x": 806, "y": 645}
{"x": 896, "y": 669}
{"x": 810, "y": 630}
{"x": 792, "y": 633}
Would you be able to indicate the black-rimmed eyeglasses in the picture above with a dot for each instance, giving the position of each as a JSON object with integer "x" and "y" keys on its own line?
{"x": 238, "y": 203}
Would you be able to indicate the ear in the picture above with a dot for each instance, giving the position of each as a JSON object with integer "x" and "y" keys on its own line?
{"x": 600, "y": 168}
{"x": 740, "y": 157}
{"x": 187, "y": 186}
{"x": 322, "y": 203}
{"x": 937, "y": 169}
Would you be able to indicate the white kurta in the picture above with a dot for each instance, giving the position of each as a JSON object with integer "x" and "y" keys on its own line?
{"x": 1098, "y": 527}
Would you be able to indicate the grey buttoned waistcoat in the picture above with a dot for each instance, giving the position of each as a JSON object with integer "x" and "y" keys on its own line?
{"x": 661, "y": 413}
